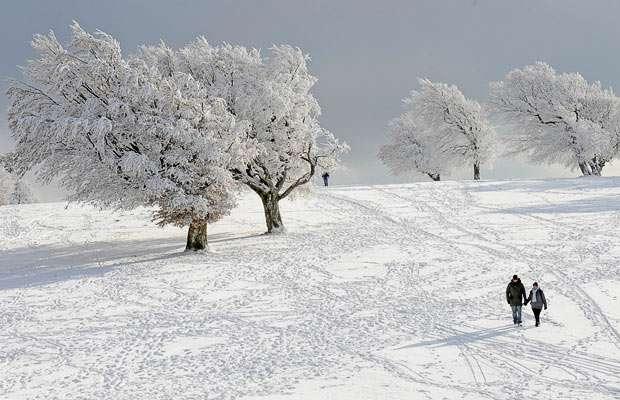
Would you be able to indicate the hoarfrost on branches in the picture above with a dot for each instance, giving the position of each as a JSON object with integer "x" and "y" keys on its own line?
{"x": 411, "y": 149}
{"x": 7, "y": 183}
{"x": 273, "y": 95}
{"x": 440, "y": 130}
{"x": 558, "y": 117}
{"x": 117, "y": 133}
{"x": 21, "y": 193}
{"x": 13, "y": 188}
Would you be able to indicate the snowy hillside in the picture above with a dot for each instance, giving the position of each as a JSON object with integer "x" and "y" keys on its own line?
{"x": 383, "y": 292}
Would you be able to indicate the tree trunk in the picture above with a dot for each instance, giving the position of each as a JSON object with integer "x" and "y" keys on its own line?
{"x": 273, "y": 218}
{"x": 197, "y": 235}
{"x": 477, "y": 171}
{"x": 434, "y": 177}
{"x": 596, "y": 165}
{"x": 585, "y": 168}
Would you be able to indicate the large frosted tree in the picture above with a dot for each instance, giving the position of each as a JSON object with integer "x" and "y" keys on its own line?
{"x": 558, "y": 117}
{"x": 439, "y": 130}
{"x": 115, "y": 132}
{"x": 273, "y": 94}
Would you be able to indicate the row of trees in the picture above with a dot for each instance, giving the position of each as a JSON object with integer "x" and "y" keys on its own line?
{"x": 549, "y": 117}
{"x": 181, "y": 130}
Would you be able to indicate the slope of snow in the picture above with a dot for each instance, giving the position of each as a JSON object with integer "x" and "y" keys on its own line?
{"x": 382, "y": 292}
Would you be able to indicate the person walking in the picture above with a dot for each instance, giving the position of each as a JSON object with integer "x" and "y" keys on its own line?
{"x": 515, "y": 293}
{"x": 326, "y": 178}
{"x": 538, "y": 301}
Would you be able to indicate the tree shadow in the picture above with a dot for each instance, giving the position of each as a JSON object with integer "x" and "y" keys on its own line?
{"x": 546, "y": 185}
{"x": 579, "y": 206}
{"x": 42, "y": 265}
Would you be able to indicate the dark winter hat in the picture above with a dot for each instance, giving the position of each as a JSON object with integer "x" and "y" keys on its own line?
{"x": 514, "y": 277}
{"x": 535, "y": 284}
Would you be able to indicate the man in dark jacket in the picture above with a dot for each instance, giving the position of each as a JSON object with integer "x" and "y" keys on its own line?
{"x": 538, "y": 300}
{"x": 514, "y": 293}
{"x": 326, "y": 178}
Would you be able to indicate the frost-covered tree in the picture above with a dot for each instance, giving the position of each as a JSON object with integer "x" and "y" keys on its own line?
{"x": 439, "y": 130}
{"x": 273, "y": 94}
{"x": 13, "y": 188}
{"x": 558, "y": 117}
{"x": 411, "y": 149}
{"x": 21, "y": 193}
{"x": 7, "y": 184}
{"x": 461, "y": 131}
{"x": 8, "y": 161}
{"x": 116, "y": 133}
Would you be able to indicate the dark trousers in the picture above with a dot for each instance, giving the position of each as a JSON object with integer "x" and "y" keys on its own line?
{"x": 325, "y": 182}
{"x": 537, "y": 315}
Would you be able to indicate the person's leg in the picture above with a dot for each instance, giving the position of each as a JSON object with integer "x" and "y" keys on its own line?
{"x": 518, "y": 314}
{"x": 514, "y": 314}
{"x": 537, "y": 315}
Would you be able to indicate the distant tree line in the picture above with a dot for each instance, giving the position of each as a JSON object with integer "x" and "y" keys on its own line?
{"x": 547, "y": 116}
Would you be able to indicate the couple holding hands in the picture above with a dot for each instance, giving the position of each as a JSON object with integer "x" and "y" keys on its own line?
{"x": 516, "y": 291}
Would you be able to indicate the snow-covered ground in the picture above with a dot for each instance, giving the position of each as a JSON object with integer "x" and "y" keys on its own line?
{"x": 382, "y": 292}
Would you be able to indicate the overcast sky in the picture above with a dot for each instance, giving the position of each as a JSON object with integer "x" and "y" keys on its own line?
{"x": 366, "y": 54}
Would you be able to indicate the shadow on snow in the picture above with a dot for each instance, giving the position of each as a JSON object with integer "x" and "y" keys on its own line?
{"x": 43, "y": 265}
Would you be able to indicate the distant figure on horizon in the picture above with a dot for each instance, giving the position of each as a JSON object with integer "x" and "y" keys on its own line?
{"x": 514, "y": 293}
{"x": 538, "y": 300}
{"x": 325, "y": 178}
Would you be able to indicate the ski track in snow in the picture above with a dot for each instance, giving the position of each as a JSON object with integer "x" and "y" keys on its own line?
{"x": 374, "y": 292}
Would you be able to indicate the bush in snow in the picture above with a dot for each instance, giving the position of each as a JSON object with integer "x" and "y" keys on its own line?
{"x": 439, "y": 130}
{"x": 117, "y": 133}
{"x": 273, "y": 94}
{"x": 558, "y": 118}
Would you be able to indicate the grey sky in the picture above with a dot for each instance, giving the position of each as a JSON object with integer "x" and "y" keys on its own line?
{"x": 366, "y": 54}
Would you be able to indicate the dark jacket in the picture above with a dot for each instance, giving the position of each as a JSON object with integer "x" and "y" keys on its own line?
{"x": 542, "y": 301}
{"x": 515, "y": 292}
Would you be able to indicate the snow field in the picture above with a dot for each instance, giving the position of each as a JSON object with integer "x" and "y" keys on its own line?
{"x": 380, "y": 292}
